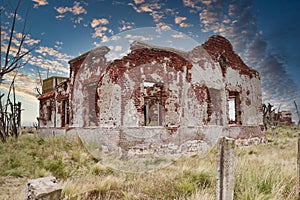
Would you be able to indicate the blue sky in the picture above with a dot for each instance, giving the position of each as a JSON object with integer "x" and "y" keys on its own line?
{"x": 264, "y": 33}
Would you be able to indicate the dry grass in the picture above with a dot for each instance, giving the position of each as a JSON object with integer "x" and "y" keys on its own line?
{"x": 266, "y": 171}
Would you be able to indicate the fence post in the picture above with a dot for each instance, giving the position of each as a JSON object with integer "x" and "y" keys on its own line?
{"x": 298, "y": 165}
{"x": 225, "y": 169}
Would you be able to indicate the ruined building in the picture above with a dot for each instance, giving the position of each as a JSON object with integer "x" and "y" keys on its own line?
{"x": 283, "y": 117}
{"x": 161, "y": 95}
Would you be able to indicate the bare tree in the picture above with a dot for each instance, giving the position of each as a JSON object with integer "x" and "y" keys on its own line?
{"x": 40, "y": 83}
{"x": 12, "y": 57}
{"x": 268, "y": 112}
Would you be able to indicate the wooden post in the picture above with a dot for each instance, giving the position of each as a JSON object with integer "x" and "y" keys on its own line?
{"x": 298, "y": 165}
{"x": 225, "y": 169}
{"x": 19, "y": 115}
{"x": 297, "y": 113}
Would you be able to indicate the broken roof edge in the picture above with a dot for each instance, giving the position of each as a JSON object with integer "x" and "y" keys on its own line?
{"x": 51, "y": 77}
{"x": 218, "y": 37}
{"x": 46, "y": 95}
{"x": 216, "y": 41}
{"x": 137, "y": 44}
{"x": 103, "y": 49}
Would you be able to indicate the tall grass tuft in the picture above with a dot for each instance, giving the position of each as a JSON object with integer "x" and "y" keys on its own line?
{"x": 265, "y": 171}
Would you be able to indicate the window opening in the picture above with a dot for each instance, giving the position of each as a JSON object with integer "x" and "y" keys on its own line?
{"x": 49, "y": 113}
{"x": 67, "y": 111}
{"x": 234, "y": 108}
{"x": 153, "y": 104}
{"x": 232, "y": 111}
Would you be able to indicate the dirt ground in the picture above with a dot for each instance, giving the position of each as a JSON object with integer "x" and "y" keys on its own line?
{"x": 12, "y": 188}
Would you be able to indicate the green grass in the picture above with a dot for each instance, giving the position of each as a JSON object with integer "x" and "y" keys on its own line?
{"x": 266, "y": 171}
{"x": 31, "y": 156}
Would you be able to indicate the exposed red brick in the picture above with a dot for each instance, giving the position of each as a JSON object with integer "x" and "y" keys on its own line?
{"x": 47, "y": 95}
{"x": 173, "y": 71}
{"x": 219, "y": 47}
{"x": 145, "y": 55}
{"x": 248, "y": 102}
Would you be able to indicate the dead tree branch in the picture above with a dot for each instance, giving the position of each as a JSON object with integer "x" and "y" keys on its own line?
{"x": 14, "y": 57}
{"x": 267, "y": 115}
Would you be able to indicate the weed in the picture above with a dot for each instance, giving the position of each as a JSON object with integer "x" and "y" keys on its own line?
{"x": 101, "y": 170}
{"x": 264, "y": 186}
{"x": 266, "y": 171}
{"x": 189, "y": 181}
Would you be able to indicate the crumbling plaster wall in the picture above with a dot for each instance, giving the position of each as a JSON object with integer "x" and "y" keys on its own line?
{"x": 207, "y": 71}
{"x": 47, "y": 110}
{"x": 83, "y": 86}
{"x": 185, "y": 102}
{"x": 250, "y": 96}
{"x": 61, "y": 98}
{"x": 110, "y": 97}
{"x": 237, "y": 77}
{"x": 197, "y": 85}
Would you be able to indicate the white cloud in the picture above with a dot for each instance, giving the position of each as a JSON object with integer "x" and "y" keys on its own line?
{"x": 208, "y": 17}
{"x": 24, "y": 82}
{"x": 115, "y": 38}
{"x": 171, "y": 11}
{"x": 189, "y": 3}
{"x": 19, "y": 35}
{"x": 118, "y": 48}
{"x": 99, "y": 31}
{"x": 139, "y": 1}
{"x": 192, "y": 4}
{"x": 162, "y": 26}
{"x": 78, "y": 20}
{"x": 142, "y": 8}
{"x": 77, "y": 9}
{"x": 58, "y": 43}
{"x": 59, "y": 16}
{"x": 31, "y": 41}
{"x": 52, "y": 64}
{"x": 104, "y": 38}
{"x": 43, "y": 50}
{"x": 137, "y": 37}
{"x": 178, "y": 19}
{"x": 11, "y": 15}
{"x": 39, "y": 3}
{"x": 180, "y": 35}
{"x": 157, "y": 11}
{"x": 126, "y": 25}
{"x": 207, "y": 2}
{"x": 15, "y": 42}
{"x": 157, "y": 16}
{"x": 97, "y": 22}
{"x": 145, "y": 8}
{"x": 185, "y": 25}
{"x": 62, "y": 10}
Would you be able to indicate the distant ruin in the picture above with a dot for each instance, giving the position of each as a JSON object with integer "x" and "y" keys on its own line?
{"x": 163, "y": 94}
{"x": 283, "y": 117}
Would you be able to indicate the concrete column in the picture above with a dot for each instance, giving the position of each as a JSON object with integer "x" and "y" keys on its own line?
{"x": 225, "y": 168}
{"x": 46, "y": 188}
